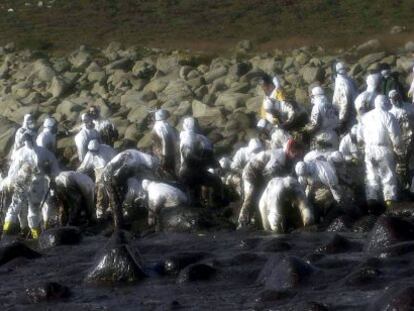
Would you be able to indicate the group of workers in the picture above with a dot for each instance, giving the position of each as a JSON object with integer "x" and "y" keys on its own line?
{"x": 350, "y": 155}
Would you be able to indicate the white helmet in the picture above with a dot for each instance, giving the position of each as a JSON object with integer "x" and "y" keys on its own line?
{"x": 300, "y": 169}
{"x": 94, "y": 145}
{"x": 28, "y": 121}
{"x": 49, "y": 123}
{"x": 145, "y": 184}
{"x": 254, "y": 145}
{"x": 189, "y": 124}
{"x": 318, "y": 91}
{"x": 340, "y": 67}
{"x": 373, "y": 80}
{"x": 86, "y": 118}
{"x": 161, "y": 115}
{"x": 381, "y": 102}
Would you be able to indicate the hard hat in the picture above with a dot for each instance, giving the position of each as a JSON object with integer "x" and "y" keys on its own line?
{"x": 392, "y": 93}
{"x": 268, "y": 104}
{"x": 27, "y": 137}
{"x": 340, "y": 67}
{"x": 300, "y": 169}
{"x": 317, "y": 91}
{"x": 189, "y": 124}
{"x": 254, "y": 144}
{"x": 145, "y": 183}
{"x": 49, "y": 123}
{"x": 94, "y": 145}
{"x": 86, "y": 118}
{"x": 262, "y": 123}
{"x": 225, "y": 163}
{"x": 161, "y": 115}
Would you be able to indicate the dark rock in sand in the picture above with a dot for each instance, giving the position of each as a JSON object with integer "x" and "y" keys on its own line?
{"x": 196, "y": 272}
{"x": 119, "y": 263}
{"x": 362, "y": 276}
{"x": 16, "y": 250}
{"x": 340, "y": 224}
{"x": 175, "y": 263}
{"x": 274, "y": 295}
{"x": 46, "y": 292}
{"x": 396, "y": 250}
{"x": 338, "y": 244}
{"x": 389, "y": 230}
{"x": 181, "y": 219}
{"x": 60, "y": 236}
{"x": 399, "y": 298}
{"x": 364, "y": 224}
{"x": 275, "y": 246}
{"x": 287, "y": 273}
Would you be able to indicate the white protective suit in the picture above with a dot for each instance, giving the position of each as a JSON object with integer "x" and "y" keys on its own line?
{"x": 344, "y": 95}
{"x": 411, "y": 91}
{"x": 80, "y": 184}
{"x": 323, "y": 123}
{"x": 319, "y": 172}
{"x": 281, "y": 195}
{"x": 349, "y": 147}
{"x": 244, "y": 154}
{"x": 47, "y": 137}
{"x": 382, "y": 137}
{"x": 28, "y": 126}
{"x": 85, "y": 135}
{"x": 161, "y": 196}
{"x": 96, "y": 159}
{"x": 284, "y": 111}
{"x": 366, "y": 100}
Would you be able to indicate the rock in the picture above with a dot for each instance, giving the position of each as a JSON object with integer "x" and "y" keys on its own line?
{"x": 124, "y": 64}
{"x": 275, "y": 246}
{"x": 340, "y": 224}
{"x": 364, "y": 224}
{"x": 338, "y": 244}
{"x": 58, "y": 87}
{"x": 387, "y": 231}
{"x": 80, "y": 59}
{"x": 397, "y": 29}
{"x": 287, "y": 273}
{"x": 7, "y": 132}
{"x": 119, "y": 263}
{"x": 371, "y": 59}
{"x": 409, "y": 46}
{"x": 405, "y": 63}
{"x": 196, "y": 272}
{"x": 200, "y": 110}
{"x": 144, "y": 70}
{"x": 397, "y": 250}
{"x": 231, "y": 101}
{"x": 312, "y": 74}
{"x": 216, "y": 73}
{"x": 16, "y": 250}
{"x": 240, "y": 69}
{"x": 301, "y": 96}
{"x": 369, "y": 46}
{"x": 60, "y": 236}
{"x": 183, "y": 109}
{"x": 244, "y": 46}
{"x": 175, "y": 263}
{"x": 47, "y": 292}
{"x": 42, "y": 71}
{"x": 362, "y": 276}
{"x": 398, "y": 297}
{"x": 176, "y": 91}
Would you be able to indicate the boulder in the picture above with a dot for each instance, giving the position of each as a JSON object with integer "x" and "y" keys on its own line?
{"x": 80, "y": 59}
{"x": 47, "y": 292}
{"x": 16, "y": 250}
{"x": 215, "y": 74}
{"x": 405, "y": 63}
{"x": 118, "y": 263}
{"x": 369, "y": 46}
{"x": 176, "y": 90}
{"x": 60, "y": 236}
{"x": 389, "y": 230}
{"x": 397, "y": 29}
{"x": 7, "y": 131}
{"x": 124, "y": 64}
{"x": 371, "y": 59}
{"x": 231, "y": 101}
{"x": 409, "y": 46}
{"x": 312, "y": 74}
{"x": 57, "y": 87}
{"x": 196, "y": 272}
{"x": 287, "y": 273}
{"x": 175, "y": 263}
{"x": 143, "y": 69}
{"x": 244, "y": 46}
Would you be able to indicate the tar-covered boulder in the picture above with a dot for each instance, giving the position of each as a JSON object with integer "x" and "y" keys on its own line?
{"x": 60, "y": 236}
{"x": 196, "y": 272}
{"x": 118, "y": 263}
{"x": 16, "y": 250}
{"x": 47, "y": 292}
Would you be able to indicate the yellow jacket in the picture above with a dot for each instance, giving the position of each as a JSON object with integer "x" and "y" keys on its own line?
{"x": 277, "y": 94}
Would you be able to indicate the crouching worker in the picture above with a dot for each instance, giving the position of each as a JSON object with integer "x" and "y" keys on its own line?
{"x": 161, "y": 196}
{"x": 75, "y": 194}
{"x": 320, "y": 180}
{"x": 259, "y": 170}
{"x": 281, "y": 203}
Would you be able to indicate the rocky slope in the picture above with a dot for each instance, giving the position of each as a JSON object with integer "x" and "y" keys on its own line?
{"x": 128, "y": 83}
